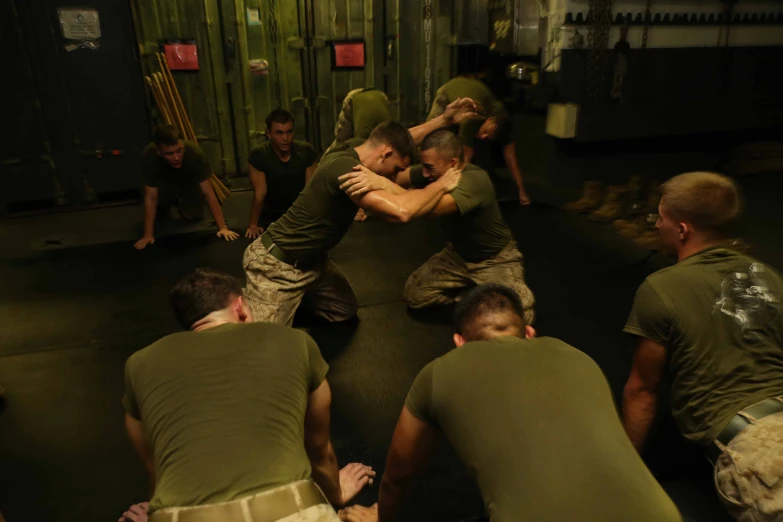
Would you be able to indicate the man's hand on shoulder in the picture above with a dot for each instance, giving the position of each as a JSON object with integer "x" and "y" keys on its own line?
{"x": 462, "y": 109}
{"x": 253, "y": 231}
{"x": 362, "y": 180}
{"x": 353, "y": 478}
{"x": 361, "y": 215}
{"x": 136, "y": 513}
{"x": 359, "y": 514}
{"x": 142, "y": 243}
{"x": 228, "y": 235}
{"x": 450, "y": 179}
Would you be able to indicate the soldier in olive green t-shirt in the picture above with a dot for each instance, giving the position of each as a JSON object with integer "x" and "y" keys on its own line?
{"x": 176, "y": 172}
{"x": 710, "y": 327}
{"x": 363, "y": 110}
{"x": 494, "y": 125}
{"x": 533, "y": 420}
{"x": 230, "y": 409}
{"x": 290, "y": 262}
{"x": 480, "y": 249}
{"x": 279, "y": 170}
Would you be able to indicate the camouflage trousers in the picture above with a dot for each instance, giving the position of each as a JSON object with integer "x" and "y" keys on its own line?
{"x": 343, "y": 130}
{"x": 298, "y": 502}
{"x": 445, "y": 275}
{"x": 274, "y": 289}
{"x": 749, "y": 472}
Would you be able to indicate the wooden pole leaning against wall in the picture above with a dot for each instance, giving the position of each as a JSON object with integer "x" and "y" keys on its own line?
{"x": 164, "y": 67}
{"x": 158, "y": 101}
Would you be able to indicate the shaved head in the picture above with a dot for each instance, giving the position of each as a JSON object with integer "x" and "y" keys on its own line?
{"x": 488, "y": 311}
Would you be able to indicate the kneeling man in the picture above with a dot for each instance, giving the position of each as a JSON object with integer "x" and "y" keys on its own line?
{"x": 532, "y": 418}
{"x": 480, "y": 249}
{"x": 232, "y": 419}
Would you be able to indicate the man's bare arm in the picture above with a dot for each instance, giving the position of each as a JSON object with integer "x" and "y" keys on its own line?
{"x": 640, "y": 396}
{"x": 339, "y": 486}
{"x": 258, "y": 180}
{"x": 213, "y": 203}
{"x": 510, "y": 157}
{"x": 411, "y": 444}
{"x": 457, "y": 111}
{"x": 140, "y": 442}
{"x": 150, "y": 209}
{"x": 401, "y": 208}
{"x": 217, "y": 212}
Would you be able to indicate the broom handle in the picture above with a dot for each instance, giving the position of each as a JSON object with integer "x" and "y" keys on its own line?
{"x": 164, "y": 66}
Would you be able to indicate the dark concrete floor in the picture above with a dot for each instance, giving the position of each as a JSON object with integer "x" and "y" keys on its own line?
{"x": 70, "y": 318}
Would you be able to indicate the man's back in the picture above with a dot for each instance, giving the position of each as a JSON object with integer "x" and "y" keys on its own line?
{"x": 477, "y": 230}
{"x": 321, "y": 214}
{"x": 224, "y": 410}
{"x": 370, "y": 108}
{"x": 534, "y": 420}
{"x": 718, "y": 315}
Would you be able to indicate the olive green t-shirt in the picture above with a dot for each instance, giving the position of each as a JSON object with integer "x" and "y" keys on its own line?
{"x": 370, "y": 108}
{"x": 322, "y": 213}
{"x": 717, "y": 313}
{"x": 534, "y": 421}
{"x": 284, "y": 180}
{"x": 224, "y": 410}
{"x": 478, "y": 230}
{"x": 155, "y": 171}
{"x": 477, "y": 91}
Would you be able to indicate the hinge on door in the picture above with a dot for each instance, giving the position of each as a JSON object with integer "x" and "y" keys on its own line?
{"x": 295, "y": 43}
{"x": 319, "y": 42}
{"x": 300, "y": 103}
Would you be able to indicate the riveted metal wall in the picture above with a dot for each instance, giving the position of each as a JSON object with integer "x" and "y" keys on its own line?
{"x": 409, "y": 54}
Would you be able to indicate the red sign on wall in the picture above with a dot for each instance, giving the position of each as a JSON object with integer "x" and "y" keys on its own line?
{"x": 181, "y": 55}
{"x": 349, "y": 54}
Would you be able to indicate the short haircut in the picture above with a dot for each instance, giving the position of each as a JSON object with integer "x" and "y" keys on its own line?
{"x": 394, "y": 134}
{"x": 278, "y": 116}
{"x": 708, "y": 201}
{"x": 487, "y": 308}
{"x": 166, "y": 135}
{"x": 202, "y": 292}
{"x": 445, "y": 142}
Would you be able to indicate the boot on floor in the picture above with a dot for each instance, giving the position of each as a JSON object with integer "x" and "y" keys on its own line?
{"x": 590, "y": 200}
{"x": 613, "y": 206}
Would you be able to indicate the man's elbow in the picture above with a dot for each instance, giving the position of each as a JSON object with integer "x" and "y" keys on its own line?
{"x": 317, "y": 452}
{"x": 637, "y": 392}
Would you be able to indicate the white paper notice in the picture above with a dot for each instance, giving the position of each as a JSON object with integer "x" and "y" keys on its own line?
{"x": 80, "y": 23}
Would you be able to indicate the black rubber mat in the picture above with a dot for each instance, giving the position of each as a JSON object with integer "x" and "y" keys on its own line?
{"x": 70, "y": 318}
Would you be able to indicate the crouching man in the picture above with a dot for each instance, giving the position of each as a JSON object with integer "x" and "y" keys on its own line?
{"x": 232, "y": 419}
{"x": 532, "y": 418}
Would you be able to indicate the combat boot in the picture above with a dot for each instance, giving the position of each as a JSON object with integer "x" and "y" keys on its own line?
{"x": 630, "y": 228}
{"x": 653, "y": 197}
{"x": 590, "y": 200}
{"x": 613, "y": 206}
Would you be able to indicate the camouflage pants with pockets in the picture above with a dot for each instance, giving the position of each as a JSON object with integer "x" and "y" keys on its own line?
{"x": 749, "y": 472}
{"x": 275, "y": 289}
{"x": 445, "y": 275}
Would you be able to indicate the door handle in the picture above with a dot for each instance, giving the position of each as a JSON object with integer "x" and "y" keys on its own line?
{"x": 231, "y": 53}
